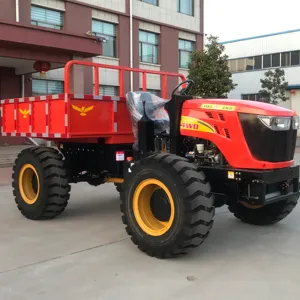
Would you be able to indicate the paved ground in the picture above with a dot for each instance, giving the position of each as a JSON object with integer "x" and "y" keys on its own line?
{"x": 85, "y": 254}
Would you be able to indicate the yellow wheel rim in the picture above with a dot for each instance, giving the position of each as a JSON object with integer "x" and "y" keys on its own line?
{"x": 142, "y": 207}
{"x": 29, "y": 184}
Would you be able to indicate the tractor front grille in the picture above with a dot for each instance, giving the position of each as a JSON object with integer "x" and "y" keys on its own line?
{"x": 266, "y": 144}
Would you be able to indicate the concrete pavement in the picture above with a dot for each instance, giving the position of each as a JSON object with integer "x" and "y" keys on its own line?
{"x": 86, "y": 254}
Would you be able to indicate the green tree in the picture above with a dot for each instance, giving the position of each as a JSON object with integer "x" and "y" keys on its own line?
{"x": 209, "y": 70}
{"x": 274, "y": 87}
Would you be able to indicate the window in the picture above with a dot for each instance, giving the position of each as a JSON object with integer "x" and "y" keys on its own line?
{"x": 257, "y": 62}
{"x": 47, "y": 87}
{"x": 295, "y": 58}
{"x": 109, "y": 90}
{"x": 109, "y": 32}
{"x": 152, "y": 91}
{"x": 185, "y": 7}
{"x": 185, "y": 50}
{"x": 252, "y": 97}
{"x": 232, "y": 65}
{"x": 267, "y": 61}
{"x": 241, "y": 65}
{"x": 45, "y": 17}
{"x": 276, "y": 60}
{"x": 285, "y": 59}
{"x": 249, "y": 63}
{"x": 148, "y": 47}
{"x": 154, "y": 2}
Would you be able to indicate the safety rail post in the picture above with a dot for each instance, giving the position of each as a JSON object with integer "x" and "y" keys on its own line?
{"x": 121, "y": 82}
{"x": 164, "y": 87}
{"x": 144, "y": 82}
{"x": 96, "y": 80}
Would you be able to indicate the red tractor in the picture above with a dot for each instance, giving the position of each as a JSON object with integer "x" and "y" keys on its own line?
{"x": 173, "y": 161}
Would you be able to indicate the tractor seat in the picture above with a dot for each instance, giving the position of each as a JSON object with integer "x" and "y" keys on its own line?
{"x": 154, "y": 107}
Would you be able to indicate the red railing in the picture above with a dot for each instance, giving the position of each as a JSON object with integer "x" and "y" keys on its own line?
{"x": 121, "y": 69}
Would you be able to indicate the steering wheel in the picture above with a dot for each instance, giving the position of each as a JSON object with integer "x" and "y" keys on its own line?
{"x": 190, "y": 85}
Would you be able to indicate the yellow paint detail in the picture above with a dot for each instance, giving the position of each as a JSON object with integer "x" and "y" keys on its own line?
{"x": 193, "y": 124}
{"x": 230, "y": 175}
{"x": 28, "y": 191}
{"x": 114, "y": 180}
{"x": 24, "y": 112}
{"x": 142, "y": 208}
{"x": 83, "y": 110}
{"x": 218, "y": 107}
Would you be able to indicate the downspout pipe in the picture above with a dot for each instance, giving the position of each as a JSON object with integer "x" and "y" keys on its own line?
{"x": 17, "y": 11}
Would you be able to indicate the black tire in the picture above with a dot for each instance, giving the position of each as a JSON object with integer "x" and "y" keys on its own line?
{"x": 54, "y": 188}
{"x": 118, "y": 187}
{"x": 267, "y": 215}
{"x": 193, "y": 203}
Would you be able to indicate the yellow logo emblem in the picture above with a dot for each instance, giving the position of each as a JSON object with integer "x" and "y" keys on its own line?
{"x": 189, "y": 123}
{"x": 24, "y": 112}
{"x": 83, "y": 110}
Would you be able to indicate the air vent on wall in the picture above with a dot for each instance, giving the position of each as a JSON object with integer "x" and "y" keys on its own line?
{"x": 210, "y": 115}
{"x": 221, "y": 116}
{"x": 227, "y": 133}
{"x": 217, "y": 129}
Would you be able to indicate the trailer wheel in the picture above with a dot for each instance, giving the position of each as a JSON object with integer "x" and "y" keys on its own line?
{"x": 167, "y": 205}
{"x": 40, "y": 183}
{"x": 267, "y": 215}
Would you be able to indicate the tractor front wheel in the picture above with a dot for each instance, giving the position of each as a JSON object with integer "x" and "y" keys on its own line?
{"x": 266, "y": 215}
{"x": 40, "y": 183}
{"x": 167, "y": 205}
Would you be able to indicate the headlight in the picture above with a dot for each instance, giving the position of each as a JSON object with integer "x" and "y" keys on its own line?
{"x": 296, "y": 122}
{"x": 277, "y": 123}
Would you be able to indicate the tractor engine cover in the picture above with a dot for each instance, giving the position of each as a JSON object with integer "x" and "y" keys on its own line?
{"x": 251, "y": 135}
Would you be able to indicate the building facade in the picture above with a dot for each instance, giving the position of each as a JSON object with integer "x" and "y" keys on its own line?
{"x": 164, "y": 32}
{"x": 250, "y": 58}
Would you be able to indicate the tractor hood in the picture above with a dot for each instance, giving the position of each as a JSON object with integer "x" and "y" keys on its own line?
{"x": 240, "y": 106}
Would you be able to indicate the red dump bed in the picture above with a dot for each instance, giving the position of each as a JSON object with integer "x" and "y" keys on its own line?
{"x": 67, "y": 116}
{"x": 74, "y": 116}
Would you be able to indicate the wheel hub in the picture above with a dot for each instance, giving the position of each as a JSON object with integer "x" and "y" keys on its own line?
{"x": 29, "y": 184}
{"x": 153, "y": 207}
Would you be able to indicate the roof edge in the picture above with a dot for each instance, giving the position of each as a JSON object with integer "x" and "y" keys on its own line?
{"x": 259, "y": 36}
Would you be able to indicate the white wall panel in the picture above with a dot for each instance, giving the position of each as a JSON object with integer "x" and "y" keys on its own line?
{"x": 149, "y": 27}
{"x": 106, "y": 76}
{"x": 264, "y": 45}
{"x": 55, "y": 4}
{"x": 104, "y": 16}
{"x": 153, "y": 81}
{"x": 187, "y": 36}
{"x": 167, "y": 13}
{"x": 117, "y": 5}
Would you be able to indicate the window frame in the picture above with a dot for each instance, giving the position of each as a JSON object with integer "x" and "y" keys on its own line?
{"x": 149, "y": 44}
{"x": 185, "y": 51}
{"x": 187, "y": 14}
{"x": 47, "y": 86}
{"x": 144, "y": 1}
{"x": 37, "y": 23}
{"x": 104, "y": 35}
{"x": 103, "y": 86}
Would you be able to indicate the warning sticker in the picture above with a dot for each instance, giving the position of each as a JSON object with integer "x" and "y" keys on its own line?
{"x": 230, "y": 175}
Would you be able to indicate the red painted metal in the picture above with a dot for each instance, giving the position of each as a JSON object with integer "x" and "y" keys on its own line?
{"x": 121, "y": 70}
{"x": 228, "y": 135}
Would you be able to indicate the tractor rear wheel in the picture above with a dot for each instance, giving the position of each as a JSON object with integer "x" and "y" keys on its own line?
{"x": 167, "y": 205}
{"x": 40, "y": 183}
{"x": 267, "y": 215}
